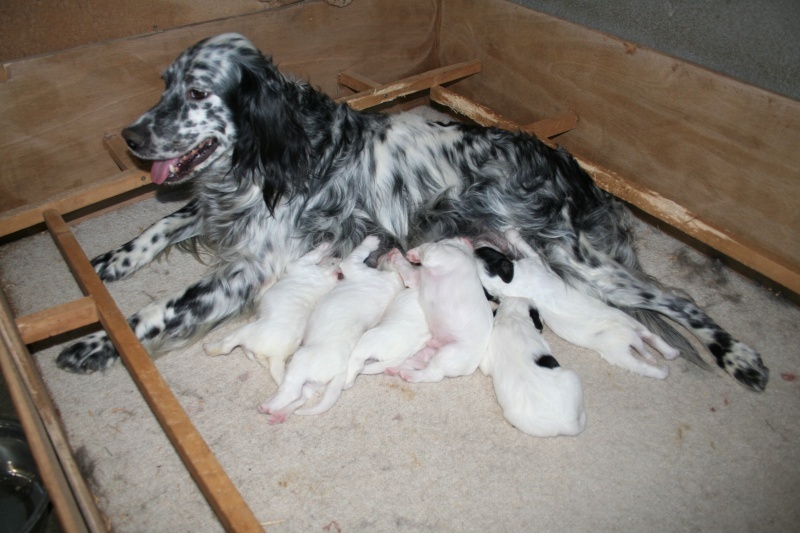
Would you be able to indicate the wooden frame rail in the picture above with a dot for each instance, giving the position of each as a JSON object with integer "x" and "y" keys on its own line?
{"x": 72, "y": 500}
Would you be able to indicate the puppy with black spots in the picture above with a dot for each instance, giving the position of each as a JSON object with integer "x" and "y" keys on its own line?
{"x": 537, "y": 395}
{"x": 571, "y": 314}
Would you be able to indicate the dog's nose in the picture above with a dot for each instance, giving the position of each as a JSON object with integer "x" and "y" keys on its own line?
{"x": 133, "y": 138}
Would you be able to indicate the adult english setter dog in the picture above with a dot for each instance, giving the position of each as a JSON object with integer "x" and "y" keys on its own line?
{"x": 278, "y": 167}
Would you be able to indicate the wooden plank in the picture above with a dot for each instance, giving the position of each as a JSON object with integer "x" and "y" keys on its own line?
{"x": 56, "y": 320}
{"x": 544, "y": 129}
{"x": 55, "y": 109}
{"x": 25, "y": 217}
{"x": 649, "y": 201}
{"x": 374, "y": 96}
{"x": 357, "y": 82}
{"x": 222, "y": 495}
{"x": 469, "y": 108}
{"x": 552, "y": 126}
{"x": 119, "y": 152}
{"x": 72, "y": 500}
{"x": 723, "y": 150}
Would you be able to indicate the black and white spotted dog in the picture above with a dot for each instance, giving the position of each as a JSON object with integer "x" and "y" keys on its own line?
{"x": 277, "y": 167}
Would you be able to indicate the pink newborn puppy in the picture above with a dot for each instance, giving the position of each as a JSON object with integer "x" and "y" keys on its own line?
{"x": 571, "y": 314}
{"x": 401, "y": 333}
{"x": 334, "y": 328}
{"x": 283, "y": 312}
{"x": 537, "y": 396}
{"x": 458, "y": 314}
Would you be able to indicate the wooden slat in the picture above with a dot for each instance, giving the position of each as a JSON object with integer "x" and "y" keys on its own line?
{"x": 551, "y": 126}
{"x": 544, "y": 129}
{"x": 118, "y": 150}
{"x": 385, "y": 93}
{"x": 469, "y": 108}
{"x": 222, "y": 495}
{"x": 25, "y": 217}
{"x": 649, "y": 201}
{"x": 356, "y": 81}
{"x": 56, "y": 320}
{"x": 72, "y": 500}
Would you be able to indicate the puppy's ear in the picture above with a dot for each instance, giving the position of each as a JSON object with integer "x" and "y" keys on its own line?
{"x": 496, "y": 263}
{"x": 271, "y": 147}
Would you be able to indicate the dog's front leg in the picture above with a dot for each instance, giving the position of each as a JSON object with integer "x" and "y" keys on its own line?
{"x": 174, "y": 321}
{"x": 131, "y": 256}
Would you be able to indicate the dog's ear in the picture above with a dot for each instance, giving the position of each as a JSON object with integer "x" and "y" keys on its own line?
{"x": 271, "y": 147}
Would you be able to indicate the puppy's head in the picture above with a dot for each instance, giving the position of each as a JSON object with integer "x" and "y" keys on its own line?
{"x": 495, "y": 264}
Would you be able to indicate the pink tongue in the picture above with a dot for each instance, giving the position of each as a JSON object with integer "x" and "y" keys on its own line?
{"x": 160, "y": 170}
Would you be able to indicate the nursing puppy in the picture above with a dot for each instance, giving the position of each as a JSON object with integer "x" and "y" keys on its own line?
{"x": 538, "y": 397}
{"x": 354, "y": 305}
{"x": 456, "y": 309}
{"x": 572, "y": 315}
{"x": 283, "y": 312}
{"x": 402, "y": 332}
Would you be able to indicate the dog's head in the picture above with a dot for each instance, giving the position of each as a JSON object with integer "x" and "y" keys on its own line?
{"x": 226, "y": 113}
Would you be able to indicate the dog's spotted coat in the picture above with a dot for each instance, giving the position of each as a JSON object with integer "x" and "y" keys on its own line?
{"x": 278, "y": 167}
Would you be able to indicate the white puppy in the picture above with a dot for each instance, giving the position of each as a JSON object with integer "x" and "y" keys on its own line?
{"x": 572, "y": 315}
{"x": 334, "y": 328}
{"x": 537, "y": 396}
{"x": 283, "y": 312}
{"x": 458, "y": 314}
{"x": 401, "y": 333}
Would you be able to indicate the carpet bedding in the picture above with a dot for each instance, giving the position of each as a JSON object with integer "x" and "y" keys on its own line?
{"x": 695, "y": 452}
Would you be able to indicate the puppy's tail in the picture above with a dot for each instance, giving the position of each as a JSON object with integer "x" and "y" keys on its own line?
{"x": 332, "y": 393}
{"x": 653, "y": 321}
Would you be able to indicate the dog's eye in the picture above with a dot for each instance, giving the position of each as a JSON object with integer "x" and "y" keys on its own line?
{"x": 196, "y": 94}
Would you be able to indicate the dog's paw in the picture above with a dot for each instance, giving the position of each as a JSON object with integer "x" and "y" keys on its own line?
{"x": 746, "y": 367}
{"x": 93, "y": 352}
{"x": 114, "y": 265}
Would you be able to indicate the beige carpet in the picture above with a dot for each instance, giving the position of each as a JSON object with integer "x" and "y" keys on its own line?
{"x": 696, "y": 452}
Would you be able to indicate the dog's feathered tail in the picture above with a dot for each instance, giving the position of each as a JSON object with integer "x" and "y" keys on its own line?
{"x": 656, "y": 324}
